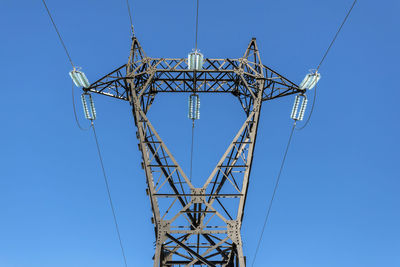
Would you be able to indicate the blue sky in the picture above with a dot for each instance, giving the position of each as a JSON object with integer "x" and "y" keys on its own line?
{"x": 338, "y": 201}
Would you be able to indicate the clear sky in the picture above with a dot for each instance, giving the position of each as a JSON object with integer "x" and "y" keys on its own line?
{"x": 338, "y": 201}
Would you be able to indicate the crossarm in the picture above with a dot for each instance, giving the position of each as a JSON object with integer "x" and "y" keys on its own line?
{"x": 278, "y": 86}
{"x": 113, "y": 84}
{"x": 218, "y": 76}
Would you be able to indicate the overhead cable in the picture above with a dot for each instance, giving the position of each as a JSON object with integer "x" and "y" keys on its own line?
{"x": 291, "y": 135}
{"x": 191, "y": 153}
{"x": 109, "y": 194}
{"x": 70, "y": 60}
{"x": 336, "y": 35}
{"x": 197, "y": 24}
{"x": 130, "y": 15}
{"x": 273, "y": 194}
{"x": 58, "y": 33}
{"x": 195, "y": 62}
{"x": 322, "y": 60}
{"x": 94, "y": 133}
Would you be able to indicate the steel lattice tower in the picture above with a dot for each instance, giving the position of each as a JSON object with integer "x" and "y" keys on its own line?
{"x": 196, "y": 226}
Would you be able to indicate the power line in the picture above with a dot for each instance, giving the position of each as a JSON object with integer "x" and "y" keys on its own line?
{"x": 197, "y": 24}
{"x": 109, "y": 193}
{"x": 274, "y": 193}
{"x": 58, "y": 33}
{"x": 336, "y": 35}
{"x": 322, "y": 60}
{"x": 191, "y": 148}
{"x": 291, "y": 135}
{"x": 191, "y": 152}
{"x": 130, "y": 15}
{"x": 70, "y": 60}
{"x": 95, "y": 136}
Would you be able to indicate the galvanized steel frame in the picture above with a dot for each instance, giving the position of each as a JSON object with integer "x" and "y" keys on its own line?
{"x": 196, "y": 226}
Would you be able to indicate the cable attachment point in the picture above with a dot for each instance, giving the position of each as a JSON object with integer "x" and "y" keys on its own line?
{"x": 310, "y": 80}
{"x": 90, "y": 111}
{"x": 299, "y": 116}
{"x": 79, "y": 78}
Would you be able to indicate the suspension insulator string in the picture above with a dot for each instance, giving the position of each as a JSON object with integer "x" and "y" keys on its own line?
{"x": 297, "y": 115}
{"x": 311, "y": 111}
{"x": 309, "y": 82}
{"x": 195, "y": 63}
{"x": 74, "y": 109}
{"x": 193, "y": 114}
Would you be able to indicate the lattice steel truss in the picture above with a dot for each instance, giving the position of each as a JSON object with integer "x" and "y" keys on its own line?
{"x": 196, "y": 226}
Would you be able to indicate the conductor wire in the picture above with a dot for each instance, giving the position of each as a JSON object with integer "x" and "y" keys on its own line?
{"x": 336, "y": 35}
{"x": 197, "y": 24}
{"x": 109, "y": 193}
{"x": 291, "y": 135}
{"x": 130, "y": 15}
{"x": 195, "y": 82}
{"x": 58, "y": 33}
{"x": 273, "y": 194}
{"x": 95, "y": 136}
{"x": 322, "y": 60}
{"x": 191, "y": 151}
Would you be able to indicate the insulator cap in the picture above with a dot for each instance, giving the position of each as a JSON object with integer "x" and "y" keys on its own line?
{"x": 90, "y": 113}
{"x": 295, "y": 115}
{"x": 194, "y": 107}
{"x": 195, "y": 60}
{"x": 310, "y": 80}
{"x": 303, "y": 109}
{"x": 79, "y": 78}
{"x": 295, "y": 107}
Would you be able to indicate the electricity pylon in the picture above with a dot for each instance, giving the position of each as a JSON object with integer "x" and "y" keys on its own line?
{"x": 196, "y": 226}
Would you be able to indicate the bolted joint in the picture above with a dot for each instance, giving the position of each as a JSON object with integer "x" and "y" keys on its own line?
{"x": 260, "y": 77}
{"x": 146, "y": 60}
{"x": 151, "y": 70}
{"x": 162, "y": 229}
{"x": 242, "y": 60}
{"x": 239, "y": 71}
{"x": 198, "y": 195}
{"x": 233, "y": 227}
